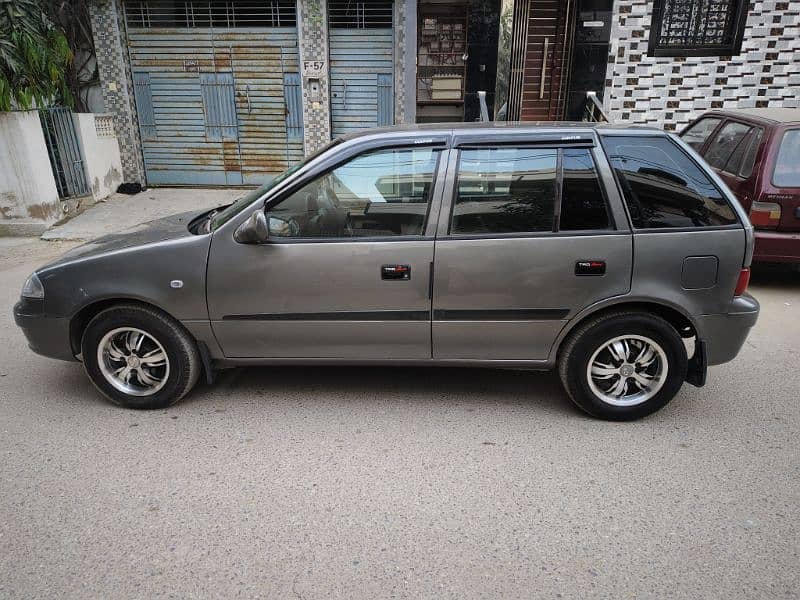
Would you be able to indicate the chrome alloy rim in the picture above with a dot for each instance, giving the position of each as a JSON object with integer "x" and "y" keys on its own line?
{"x": 627, "y": 370}
{"x": 133, "y": 361}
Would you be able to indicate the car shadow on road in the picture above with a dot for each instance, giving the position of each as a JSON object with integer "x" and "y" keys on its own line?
{"x": 775, "y": 276}
{"x": 395, "y": 384}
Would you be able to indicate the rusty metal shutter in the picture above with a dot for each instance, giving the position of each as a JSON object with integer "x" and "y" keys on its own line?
{"x": 362, "y": 65}
{"x": 216, "y": 73}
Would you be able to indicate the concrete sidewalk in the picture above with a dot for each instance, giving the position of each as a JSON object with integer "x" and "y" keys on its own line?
{"x": 121, "y": 211}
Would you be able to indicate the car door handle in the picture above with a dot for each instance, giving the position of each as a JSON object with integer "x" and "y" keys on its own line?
{"x": 590, "y": 267}
{"x": 396, "y": 272}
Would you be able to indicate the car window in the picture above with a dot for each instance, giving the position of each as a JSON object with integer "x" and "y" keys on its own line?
{"x": 505, "y": 190}
{"x": 698, "y": 133}
{"x": 381, "y": 193}
{"x": 750, "y": 152}
{"x": 787, "y": 165}
{"x": 583, "y": 205}
{"x": 663, "y": 187}
{"x": 725, "y": 143}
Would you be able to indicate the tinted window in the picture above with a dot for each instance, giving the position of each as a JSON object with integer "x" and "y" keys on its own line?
{"x": 505, "y": 190}
{"x": 787, "y": 165}
{"x": 384, "y": 193}
{"x": 725, "y": 144}
{"x": 749, "y": 158}
{"x": 698, "y": 133}
{"x": 582, "y": 202}
{"x": 663, "y": 187}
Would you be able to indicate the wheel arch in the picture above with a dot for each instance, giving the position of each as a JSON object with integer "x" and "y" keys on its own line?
{"x": 82, "y": 317}
{"x": 674, "y": 315}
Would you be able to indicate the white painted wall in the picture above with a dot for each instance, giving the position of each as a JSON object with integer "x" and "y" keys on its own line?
{"x": 28, "y": 194}
{"x": 100, "y": 150}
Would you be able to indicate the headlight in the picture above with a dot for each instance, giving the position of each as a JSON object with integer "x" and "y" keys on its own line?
{"x": 33, "y": 288}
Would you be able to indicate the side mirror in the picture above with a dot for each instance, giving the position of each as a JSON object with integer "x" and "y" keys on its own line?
{"x": 254, "y": 230}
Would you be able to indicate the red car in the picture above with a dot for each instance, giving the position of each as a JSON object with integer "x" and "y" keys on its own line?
{"x": 756, "y": 151}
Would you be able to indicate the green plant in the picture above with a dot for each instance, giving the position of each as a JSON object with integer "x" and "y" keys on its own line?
{"x": 34, "y": 57}
{"x": 72, "y": 17}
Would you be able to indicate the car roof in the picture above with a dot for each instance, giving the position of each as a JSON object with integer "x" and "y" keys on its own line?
{"x": 773, "y": 115}
{"x": 502, "y": 127}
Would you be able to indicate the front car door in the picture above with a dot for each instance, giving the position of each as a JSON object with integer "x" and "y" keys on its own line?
{"x": 346, "y": 272}
{"x": 532, "y": 231}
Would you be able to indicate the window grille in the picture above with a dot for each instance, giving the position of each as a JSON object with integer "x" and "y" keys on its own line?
{"x": 360, "y": 15}
{"x": 147, "y": 14}
{"x": 697, "y": 27}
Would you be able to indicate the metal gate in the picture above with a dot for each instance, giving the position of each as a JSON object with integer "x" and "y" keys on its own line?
{"x": 362, "y": 65}
{"x": 64, "y": 151}
{"x": 217, "y": 89}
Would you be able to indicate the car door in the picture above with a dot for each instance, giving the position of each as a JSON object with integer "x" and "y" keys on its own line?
{"x": 534, "y": 234}
{"x": 346, "y": 271}
{"x": 732, "y": 154}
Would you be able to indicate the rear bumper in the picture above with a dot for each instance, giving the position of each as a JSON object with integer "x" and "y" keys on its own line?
{"x": 48, "y": 336}
{"x": 724, "y": 334}
{"x": 774, "y": 246}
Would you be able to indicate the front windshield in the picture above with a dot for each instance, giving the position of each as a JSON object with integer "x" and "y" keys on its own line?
{"x": 243, "y": 202}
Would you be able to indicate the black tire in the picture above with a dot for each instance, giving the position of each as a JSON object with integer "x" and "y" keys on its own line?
{"x": 582, "y": 343}
{"x": 180, "y": 348}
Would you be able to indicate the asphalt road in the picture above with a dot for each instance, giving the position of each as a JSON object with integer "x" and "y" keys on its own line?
{"x": 407, "y": 483}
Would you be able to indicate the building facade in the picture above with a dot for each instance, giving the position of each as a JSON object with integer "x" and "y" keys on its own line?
{"x": 213, "y": 92}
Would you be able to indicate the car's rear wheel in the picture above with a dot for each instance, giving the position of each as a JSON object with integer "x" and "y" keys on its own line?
{"x": 139, "y": 357}
{"x": 623, "y": 365}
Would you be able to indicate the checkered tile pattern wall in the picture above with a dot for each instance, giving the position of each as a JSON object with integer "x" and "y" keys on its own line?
{"x": 670, "y": 92}
{"x": 115, "y": 80}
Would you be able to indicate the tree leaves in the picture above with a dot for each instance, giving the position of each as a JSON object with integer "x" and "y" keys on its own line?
{"x": 34, "y": 57}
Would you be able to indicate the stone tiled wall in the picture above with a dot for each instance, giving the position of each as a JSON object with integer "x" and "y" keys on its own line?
{"x": 313, "y": 39}
{"x": 669, "y": 92}
{"x": 400, "y": 58}
{"x": 116, "y": 83}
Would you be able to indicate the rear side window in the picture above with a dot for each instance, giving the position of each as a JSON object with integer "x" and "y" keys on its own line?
{"x": 582, "y": 203}
{"x": 663, "y": 187}
{"x": 505, "y": 190}
{"x": 698, "y": 133}
{"x": 744, "y": 157}
{"x": 787, "y": 165}
{"x": 725, "y": 144}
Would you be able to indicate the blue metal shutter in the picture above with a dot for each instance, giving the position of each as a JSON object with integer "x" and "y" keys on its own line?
{"x": 143, "y": 94}
{"x": 294, "y": 105}
{"x": 361, "y": 64}
{"x": 201, "y": 141}
{"x": 219, "y": 103}
{"x": 385, "y": 100}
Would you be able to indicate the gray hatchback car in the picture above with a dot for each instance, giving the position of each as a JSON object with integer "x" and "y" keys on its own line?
{"x": 612, "y": 254}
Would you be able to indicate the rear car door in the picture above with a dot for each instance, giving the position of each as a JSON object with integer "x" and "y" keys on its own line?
{"x": 732, "y": 153}
{"x": 527, "y": 238}
{"x": 782, "y": 185}
{"x": 346, "y": 271}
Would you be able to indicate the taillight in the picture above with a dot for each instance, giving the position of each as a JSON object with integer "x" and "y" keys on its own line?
{"x": 741, "y": 284}
{"x": 765, "y": 215}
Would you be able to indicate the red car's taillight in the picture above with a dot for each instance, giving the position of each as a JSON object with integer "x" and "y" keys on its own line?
{"x": 765, "y": 215}
{"x": 743, "y": 281}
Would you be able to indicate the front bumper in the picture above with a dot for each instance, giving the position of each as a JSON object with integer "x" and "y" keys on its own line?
{"x": 776, "y": 246}
{"x": 48, "y": 336}
{"x": 724, "y": 334}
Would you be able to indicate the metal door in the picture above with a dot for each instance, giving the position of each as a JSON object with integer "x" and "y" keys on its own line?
{"x": 64, "y": 151}
{"x": 501, "y": 296}
{"x": 215, "y": 94}
{"x": 362, "y": 65}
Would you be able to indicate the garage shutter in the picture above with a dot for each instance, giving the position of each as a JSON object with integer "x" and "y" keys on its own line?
{"x": 362, "y": 65}
{"x": 215, "y": 73}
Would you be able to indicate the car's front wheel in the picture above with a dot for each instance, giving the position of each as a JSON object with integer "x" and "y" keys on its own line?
{"x": 623, "y": 365}
{"x": 138, "y": 357}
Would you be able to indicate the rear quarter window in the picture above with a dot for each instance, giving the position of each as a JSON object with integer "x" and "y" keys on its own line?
{"x": 662, "y": 187}
{"x": 698, "y": 133}
{"x": 787, "y": 165}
